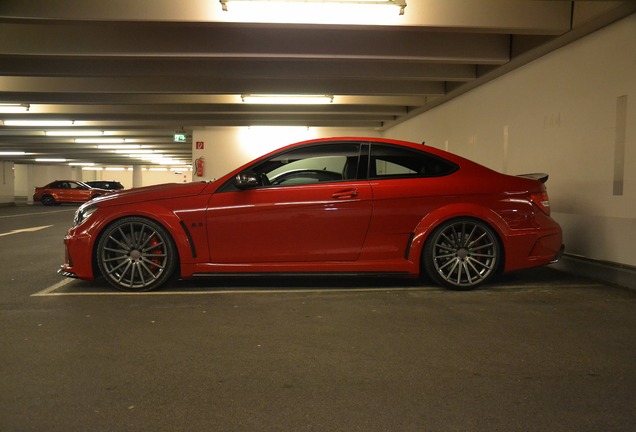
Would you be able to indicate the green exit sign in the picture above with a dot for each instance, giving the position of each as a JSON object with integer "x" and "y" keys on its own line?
{"x": 179, "y": 137}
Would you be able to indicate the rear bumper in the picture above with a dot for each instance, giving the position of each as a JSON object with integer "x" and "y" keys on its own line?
{"x": 559, "y": 255}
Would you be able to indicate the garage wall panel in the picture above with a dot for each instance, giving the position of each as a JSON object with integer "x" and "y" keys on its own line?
{"x": 559, "y": 114}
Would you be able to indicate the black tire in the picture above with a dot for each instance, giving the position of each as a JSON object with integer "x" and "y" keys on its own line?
{"x": 136, "y": 254}
{"x": 462, "y": 254}
{"x": 48, "y": 200}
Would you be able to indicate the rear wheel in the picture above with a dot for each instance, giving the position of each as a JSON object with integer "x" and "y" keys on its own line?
{"x": 136, "y": 254}
{"x": 48, "y": 200}
{"x": 462, "y": 254}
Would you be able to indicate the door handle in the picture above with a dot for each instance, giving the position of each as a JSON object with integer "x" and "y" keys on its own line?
{"x": 346, "y": 194}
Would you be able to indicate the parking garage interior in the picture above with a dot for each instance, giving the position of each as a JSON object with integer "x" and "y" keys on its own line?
{"x": 519, "y": 87}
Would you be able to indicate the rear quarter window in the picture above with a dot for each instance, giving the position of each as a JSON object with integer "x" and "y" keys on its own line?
{"x": 396, "y": 162}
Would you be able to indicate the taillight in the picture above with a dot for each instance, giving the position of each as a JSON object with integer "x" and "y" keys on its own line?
{"x": 541, "y": 200}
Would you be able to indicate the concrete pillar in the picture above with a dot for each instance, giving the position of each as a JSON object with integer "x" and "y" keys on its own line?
{"x": 137, "y": 176}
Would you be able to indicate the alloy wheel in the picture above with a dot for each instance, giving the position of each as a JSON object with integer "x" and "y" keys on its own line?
{"x": 462, "y": 254}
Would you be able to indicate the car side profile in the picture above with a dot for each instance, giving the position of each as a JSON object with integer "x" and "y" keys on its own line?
{"x": 355, "y": 206}
{"x": 66, "y": 191}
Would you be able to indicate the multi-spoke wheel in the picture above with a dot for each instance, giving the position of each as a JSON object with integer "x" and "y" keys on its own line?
{"x": 462, "y": 254}
{"x": 136, "y": 254}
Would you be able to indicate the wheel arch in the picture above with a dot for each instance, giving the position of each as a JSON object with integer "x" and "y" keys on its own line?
{"x": 173, "y": 228}
{"x": 452, "y": 212}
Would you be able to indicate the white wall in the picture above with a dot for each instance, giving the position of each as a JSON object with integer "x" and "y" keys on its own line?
{"x": 7, "y": 177}
{"x": 558, "y": 115}
{"x": 24, "y": 178}
{"x": 227, "y": 148}
{"x": 148, "y": 177}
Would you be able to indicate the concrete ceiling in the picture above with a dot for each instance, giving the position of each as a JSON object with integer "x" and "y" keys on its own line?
{"x": 145, "y": 69}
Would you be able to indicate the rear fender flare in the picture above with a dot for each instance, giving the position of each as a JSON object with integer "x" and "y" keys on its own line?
{"x": 446, "y": 213}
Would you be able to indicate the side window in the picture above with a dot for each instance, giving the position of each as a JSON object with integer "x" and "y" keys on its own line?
{"x": 313, "y": 164}
{"x": 395, "y": 162}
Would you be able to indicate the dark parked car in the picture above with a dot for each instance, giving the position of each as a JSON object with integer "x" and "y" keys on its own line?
{"x": 105, "y": 184}
{"x": 66, "y": 191}
{"x": 334, "y": 206}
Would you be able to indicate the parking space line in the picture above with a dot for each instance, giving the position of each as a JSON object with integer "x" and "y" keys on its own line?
{"x": 50, "y": 291}
{"x": 36, "y": 213}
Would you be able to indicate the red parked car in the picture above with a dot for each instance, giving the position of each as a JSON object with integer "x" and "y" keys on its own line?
{"x": 66, "y": 191}
{"x": 335, "y": 206}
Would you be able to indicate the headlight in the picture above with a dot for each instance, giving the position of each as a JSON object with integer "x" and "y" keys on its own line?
{"x": 84, "y": 212}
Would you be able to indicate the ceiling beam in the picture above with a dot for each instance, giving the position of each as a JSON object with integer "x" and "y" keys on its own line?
{"x": 122, "y": 39}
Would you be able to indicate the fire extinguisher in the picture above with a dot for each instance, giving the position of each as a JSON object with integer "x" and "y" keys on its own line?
{"x": 198, "y": 163}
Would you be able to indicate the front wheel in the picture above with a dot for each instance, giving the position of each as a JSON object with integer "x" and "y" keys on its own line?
{"x": 136, "y": 254}
{"x": 462, "y": 254}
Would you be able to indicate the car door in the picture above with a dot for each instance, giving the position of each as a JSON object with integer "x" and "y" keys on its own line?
{"x": 309, "y": 207}
{"x": 63, "y": 191}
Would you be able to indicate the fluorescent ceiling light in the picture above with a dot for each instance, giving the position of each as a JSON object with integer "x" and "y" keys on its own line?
{"x": 50, "y": 160}
{"x": 115, "y": 169}
{"x": 10, "y": 108}
{"x": 92, "y": 169}
{"x": 136, "y": 151}
{"x": 118, "y": 146}
{"x": 398, "y": 3}
{"x": 287, "y": 99}
{"x": 100, "y": 140}
{"x": 166, "y": 161}
{"x": 38, "y": 123}
{"x": 157, "y": 169}
{"x": 12, "y": 153}
{"x": 81, "y": 163}
{"x": 74, "y": 133}
{"x": 356, "y": 12}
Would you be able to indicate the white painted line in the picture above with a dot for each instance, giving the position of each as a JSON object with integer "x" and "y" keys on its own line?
{"x": 49, "y": 292}
{"x": 522, "y": 288}
{"x": 32, "y": 229}
{"x": 52, "y": 288}
{"x": 37, "y": 214}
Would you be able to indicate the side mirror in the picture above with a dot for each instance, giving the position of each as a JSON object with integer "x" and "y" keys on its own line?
{"x": 246, "y": 180}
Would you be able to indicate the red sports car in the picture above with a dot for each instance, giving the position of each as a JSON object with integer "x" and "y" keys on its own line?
{"x": 335, "y": 206}
{"x": 69, "y": 191}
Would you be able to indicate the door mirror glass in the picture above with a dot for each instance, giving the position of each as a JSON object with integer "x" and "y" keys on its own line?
{"x": 246, "y": 180}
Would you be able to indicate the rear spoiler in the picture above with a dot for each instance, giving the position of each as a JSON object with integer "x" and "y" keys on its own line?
{"x": 542, "y": 177}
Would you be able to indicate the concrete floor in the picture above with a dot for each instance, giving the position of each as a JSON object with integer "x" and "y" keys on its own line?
{"x": 537, "y": 350}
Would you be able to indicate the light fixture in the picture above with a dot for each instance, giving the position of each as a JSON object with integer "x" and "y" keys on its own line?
{"x": 100, "y": 140}
{"x": 136, "y": 151}
{"x": 398, "y": 3}
{"x": 81, "y": 164}
{"x": 12, "y": 153}
{"x": 287, "y": 99}
{"x": 38, "y": 123}
{"x": 115, "y": 169}
{"x": 12, "y": 108}
{"x": 50, "y": 160}
{"x": 92, "y": 169}
{"x": 118, "y": 146}
{"x": 74, "y": 133}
